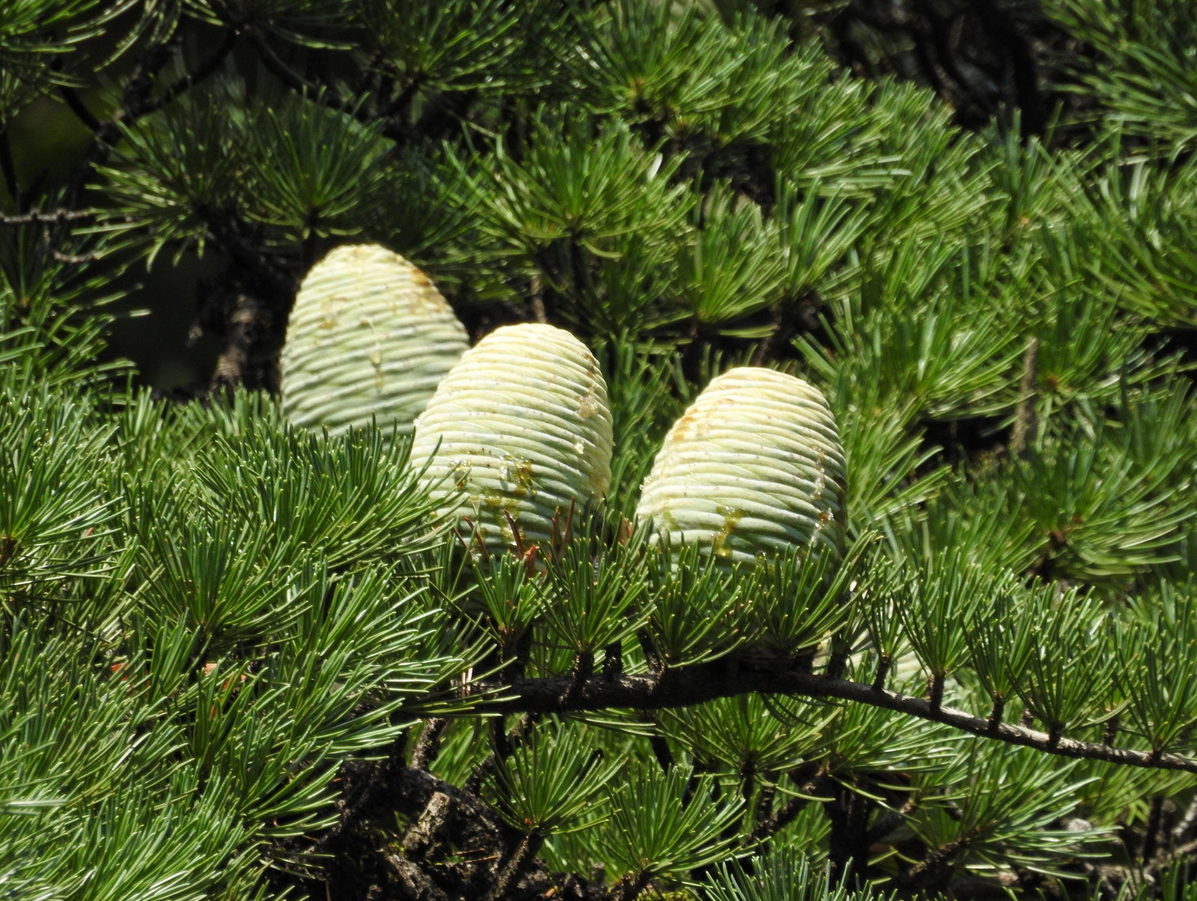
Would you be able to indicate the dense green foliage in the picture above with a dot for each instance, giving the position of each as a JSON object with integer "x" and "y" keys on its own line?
{"x": 240, "y": 660}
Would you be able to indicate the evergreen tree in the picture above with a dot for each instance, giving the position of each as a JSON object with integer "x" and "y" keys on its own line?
{"x": 244, "y": 658}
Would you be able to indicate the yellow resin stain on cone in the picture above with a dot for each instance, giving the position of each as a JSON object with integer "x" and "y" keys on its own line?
{"x": 520, "y": 427}
{"x": 753, "y": 468}
{"x": 369, "y": 337}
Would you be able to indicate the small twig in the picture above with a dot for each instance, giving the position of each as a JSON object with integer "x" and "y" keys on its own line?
{"x": 995, "y": 715}
{"x": 402, "y": 101}
{"x": 583, "y": 669}
{"x": 376, "y": 82}
{"x": 655, "y": 663}
{"x": 612, "y": 661}
{"x": 206, "y": 68}
{"x": 144, "y": 105}
{"x": 883, "y": 665}
{"x": 764, "y": 802}
{"x": 838, "y": 661}
{"x": 441, "y": 112}
{"x": 536, "y": 289}
{"x": 929, "y": 869}
{"x": 630, "y": 889}
{"x": 1152, "y": 828}
{"x": 52, "y": 217}
{"x": 76, "y": 105}
{"x": 1026, "y": 421}
{"x": 661, "y": 750}
{"x": 892, "y": 820}
{"x": 1110, "y": 732}
{"x": 780, "y": 328}
{"x": 132, "y": 105}
{"x": 1178, "y": 853}
{"x": 1185, "y": 828}
{"x": 74, "y": 259}
{"x": 9, "y": 171}
{"x": 506, "y": 744}
{"x": 768, "y": 827}
{"x": 937, "y": 681}
{"x": 524, "y": 851}
{"x": 323, "y": 94}
{"x": 79, "y": 259}
{"x": 8, "y": 547}
{"x": 292, "y": 79}
{"x": 748, "y": 777}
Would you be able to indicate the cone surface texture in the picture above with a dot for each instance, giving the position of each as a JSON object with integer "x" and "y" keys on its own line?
{"x": 754, "y": 467}
{"x": 520, "y": 425}
{"x": 370, "y": 336}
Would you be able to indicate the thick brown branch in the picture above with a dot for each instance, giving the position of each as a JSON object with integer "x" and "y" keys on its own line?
{"x": 704, "y": 682}
{"x": 429, "y": 743}
{"x": 414, "y": 880}
{"x": 277, "y": 285}
{"x": 937, "y": 32}
{"x": 1005, "y": 34}
{"x": 413, "y": 790}
{"x": 248, "y": 324}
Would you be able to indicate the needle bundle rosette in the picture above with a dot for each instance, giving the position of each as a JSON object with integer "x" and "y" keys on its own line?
{"x": 753, "y": 469}
{"x": 521, "y": 426}
{"x": 369, "y": 337}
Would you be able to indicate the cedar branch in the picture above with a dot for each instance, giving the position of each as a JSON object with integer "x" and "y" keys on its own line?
{"x": 695, "y": 684}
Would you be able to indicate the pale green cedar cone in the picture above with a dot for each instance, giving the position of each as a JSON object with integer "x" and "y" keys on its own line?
{"x": 521, "y": 426}
{"x": 753, "y": 468}
{"x": 370, "y": 336}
